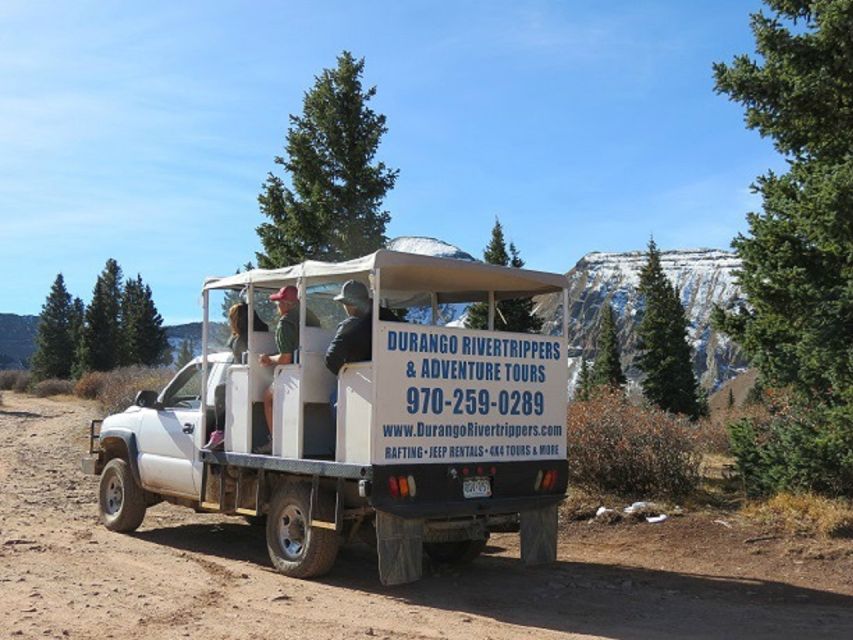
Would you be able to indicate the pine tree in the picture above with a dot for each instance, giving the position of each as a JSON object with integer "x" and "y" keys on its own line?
{"x": 584, "y": 384}
{"x": 797, "y": 257}
{"x": 607, "y": 369}
{"x": 143, "y": 337}
{"x": 333, "y": 210}
{"x": 664, "y": 353}
{"x": 510, "y": 315}
{"x": 185, "y": 354}
{"x": 54, "y": 353}
{"x": 76, "y": 322}
{"x": 101, "y": 342}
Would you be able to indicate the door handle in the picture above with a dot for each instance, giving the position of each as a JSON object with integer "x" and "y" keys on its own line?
{"x": 188, "y": 427}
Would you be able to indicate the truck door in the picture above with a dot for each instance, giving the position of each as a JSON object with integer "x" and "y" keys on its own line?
{"x": 166, "y": 436}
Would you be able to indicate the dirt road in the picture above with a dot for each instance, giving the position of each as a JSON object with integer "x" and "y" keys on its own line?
{"x": 203, "y": 576}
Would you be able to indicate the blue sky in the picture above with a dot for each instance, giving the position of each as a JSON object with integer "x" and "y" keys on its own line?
{"x": 143, "y": 131}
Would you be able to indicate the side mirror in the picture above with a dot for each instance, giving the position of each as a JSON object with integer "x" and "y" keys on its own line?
{"x": 147, "y": 399}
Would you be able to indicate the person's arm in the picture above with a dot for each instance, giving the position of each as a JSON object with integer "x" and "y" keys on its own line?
{"x": 289, "y": 342}
{"x": 276, "y": 359}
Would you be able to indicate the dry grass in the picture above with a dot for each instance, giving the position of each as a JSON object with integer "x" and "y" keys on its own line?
{"x": 90, "y": 385}
{"x": 53, "y": 387}
{"x": 804, "y": 514}
{"x": 15, "y": 380}
{"x": 121, "y": 385}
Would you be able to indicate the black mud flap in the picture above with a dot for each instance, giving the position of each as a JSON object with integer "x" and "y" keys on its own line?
{"x": 399, "y": 542}
{"x": 539, "y": 535}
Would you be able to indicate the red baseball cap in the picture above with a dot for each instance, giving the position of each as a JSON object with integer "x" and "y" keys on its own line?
{"x": 288, "y": 294}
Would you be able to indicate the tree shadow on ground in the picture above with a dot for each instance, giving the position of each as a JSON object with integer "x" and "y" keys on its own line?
{"x": 572, "y": 597}
{"x": 21, "y": 414}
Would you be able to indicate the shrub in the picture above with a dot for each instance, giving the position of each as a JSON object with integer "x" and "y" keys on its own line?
{"x": 53, "y": 387}
{"x": 7, "y": 379}
{"x": 121, "y": 385}
{"x": 10, "y": 379}
{"x": 90, "y": 385}
{"x": 711, "y": 436}
{"x": 795, "y": 448}
{"x": 641, "y": 451}
{"x": 22, "y": 381}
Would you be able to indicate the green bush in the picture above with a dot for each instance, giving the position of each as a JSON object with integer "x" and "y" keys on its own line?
{"x": 796, "y": 449}
{"x": 53, "y": 387}
{"x": 639, "y": 451}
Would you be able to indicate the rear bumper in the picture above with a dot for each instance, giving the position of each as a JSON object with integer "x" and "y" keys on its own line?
{"x": 471, "y": 507}
{"x": 439, "y": 488}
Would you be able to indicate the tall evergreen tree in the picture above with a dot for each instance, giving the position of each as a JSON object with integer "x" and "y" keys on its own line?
{"x": 54, "y": 353}
{"x": 607, "y": 369}
{"x": 664, "y": 353}
{"x": 76, "y": 322}
{"x": 101, "y": 341}
{"x": 185, "y": 354}
{"x": 510, "y": 315}
{"x": 142, "y": 333}
{"x": 584, "y": 383}
{"x": 333, "y": 209}
{"x": 797, "y": 257}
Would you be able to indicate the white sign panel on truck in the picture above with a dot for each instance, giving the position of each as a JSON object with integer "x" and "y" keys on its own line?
{"x": 450, "y": 395}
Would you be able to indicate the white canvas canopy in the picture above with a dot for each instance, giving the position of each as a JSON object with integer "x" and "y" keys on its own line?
{"x": 452, "y": 280}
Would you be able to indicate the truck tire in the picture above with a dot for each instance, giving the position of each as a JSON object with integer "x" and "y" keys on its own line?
{"x": 459, "y": 552}
{"x": 295, "y": 549}
{"x": 120, "y": 500}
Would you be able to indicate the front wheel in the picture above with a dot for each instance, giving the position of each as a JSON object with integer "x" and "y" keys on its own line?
{"x": 297, "y": 549}
{"x": 120, "y": 500}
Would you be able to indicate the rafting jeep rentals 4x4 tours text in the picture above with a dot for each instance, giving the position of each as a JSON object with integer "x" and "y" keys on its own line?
{"x": 444, "y": 434}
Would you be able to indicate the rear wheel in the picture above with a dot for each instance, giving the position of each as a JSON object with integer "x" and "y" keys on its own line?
{"x": 120, "y": 500}
{"x": 459, "y": 552}
{"x": 297, "y": 549}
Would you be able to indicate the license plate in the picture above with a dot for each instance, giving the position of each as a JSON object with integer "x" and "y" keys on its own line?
{"x": 476, "y": 488}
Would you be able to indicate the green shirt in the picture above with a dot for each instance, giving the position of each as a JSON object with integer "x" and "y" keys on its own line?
{"x": 287, "y": 332}
{"x": 287, "y": 329}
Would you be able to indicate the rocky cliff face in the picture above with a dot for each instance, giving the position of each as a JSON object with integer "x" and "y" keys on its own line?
{"x": 704, "y": 277}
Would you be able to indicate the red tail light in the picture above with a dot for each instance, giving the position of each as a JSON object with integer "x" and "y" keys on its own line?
{"x": 549, "y": 480}
{"x": 393, "y": 487}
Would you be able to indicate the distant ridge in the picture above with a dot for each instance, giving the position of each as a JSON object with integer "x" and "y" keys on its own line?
{"x": 704, "y": 277}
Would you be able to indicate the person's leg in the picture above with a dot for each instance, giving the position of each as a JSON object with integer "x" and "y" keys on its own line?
{"x": 268, "y": 408}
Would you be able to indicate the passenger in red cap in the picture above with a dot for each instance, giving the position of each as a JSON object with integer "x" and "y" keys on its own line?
{"x": 286, "y": 341}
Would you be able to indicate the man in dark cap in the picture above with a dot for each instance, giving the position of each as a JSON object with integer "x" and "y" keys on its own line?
{"x": 353, "y": 341}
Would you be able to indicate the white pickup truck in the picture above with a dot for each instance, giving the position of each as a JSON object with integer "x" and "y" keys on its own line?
{"x": 445, "y": 433}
